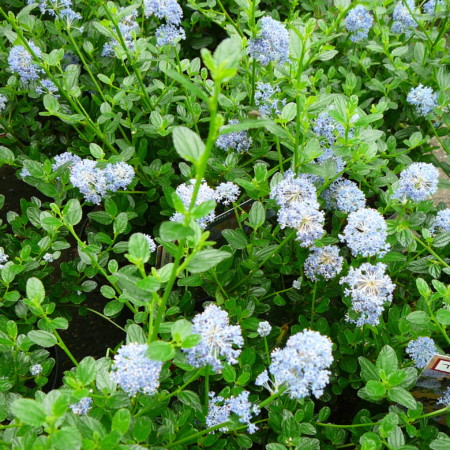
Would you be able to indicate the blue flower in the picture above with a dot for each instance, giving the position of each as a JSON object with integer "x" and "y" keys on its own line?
{"x": 366, "y": 233}
{"x": 205, "y": 193}
{"x": 327, "y": 127}
{"x": 369, "y": 288}
{"x": 432, "y": 6}
{"x": 417, "y": 182}
{"x": 3, "y": 102}
{"x": 164, "y": 9}
{"x": 128, "y": 29}
{"x": 263, "y": 94}
{"x": 134, "y": 371}
{"x": 238, "y": 140}
{"x": 358, "y": 21}
{"x": 441, "y": 223}
{"x": 272, "y": 43}
{"x": 403, "y": 20}
{"x": 421, "y": 350}
{"x": 151, "y": 243}
{"x": 63, "y": 158}
{"x": 82, "y": 407}
{"x": 36, "y": 369}
{"x": 47, "y": 87}
{"x": 344, "y": 195}
{"x": 118, "y": 176}
{"x": 21, "y": 62}
{"x": 305, "y": 219}
{"x": 169, "y": 35}
{"x": 301, "y": 367}
{"x": 423, "y": 98}
{"x": 324, "y": 261}
{"x": 264, "y": 329}
{"x": 294, "y": 190}
{"x": 3, "y": 258}
{"x": 227, "y": 193}
{"x": 220, "y": 410}
{"x": 445, "y": 399}
{"x": 89, "y": 179}
{"x": 51, "y": 6}
{"x": 217, "y": 339}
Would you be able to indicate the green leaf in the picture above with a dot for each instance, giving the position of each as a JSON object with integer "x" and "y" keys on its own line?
{"x": 65, "y": 438}
{"x": 257, "y": 215}
{"x": 229, "y": 373}
{"x": 6, "y": 156}
{"x": 181, "y": 329}
{"x": 120, "y": 223}
{"x": 368, "y": 369}
{"x": 441, "y": 443}
{"x": 387, "y": 360}
{"x": 188, "y": 144}
{"x": 96, "y": 151}
{"x": 418, "y": 317}
{"x": 172, "y": 231}
{"x": 160, "y": 351}
{"x": 121, "y": 421}
{"x": 191, "y": 341}
{"x": 375, "y": 389}
{"x": 236, "y": 238}
{"x": 86, "y": 371}
{"x": 402, "y": 396}
{"x": 72, "y": 212}
{"x": 225, "y": 62}
{"x": 135, "y": 334}
{"x": 138, "y": 248}
{"x": 191, "y": 399}
{"x": 441, "y": 240}
{"x": 42, "y": 338}
{"x": 423, "y": 287}
{"x": 35, "y": 290}
{"x": 29, "y": 411}
{"x": 443, "y": 315}
{"x": 206, "y": 259}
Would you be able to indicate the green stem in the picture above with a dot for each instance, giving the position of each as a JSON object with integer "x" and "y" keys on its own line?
{"x": 101, "y": 315}
{"x": 313, "y": 303}
{"x": 64, "y": 347}
{"x": 447, "y": 150}
{"x": 423, "y": 244}
{"x": 266, "y": 346}
{"x": 229, "y": 18}
{"x": 287, "y": 239}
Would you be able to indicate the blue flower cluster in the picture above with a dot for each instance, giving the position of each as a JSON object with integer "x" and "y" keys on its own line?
{"x": 82, "y": 407}
{"x": 445, "y": 399}
{"x": 151, "y": 243}
{"x": 47, "y": 87}
{"x": 366, "y": 233}
{"x": 323, "y": 261}
{"x": 220, "y": 410}
{"x": 64, "y": 158}
{"x": 272, "y": 43}
{"x": 301, "y": 367}
{"x": 327, "y": 127}
{"x": 36, "y": 369}
{"x": 358, "y": 21}
{"x": 268, "y": 106}
{"x": 264, "y": 329}
{"x": 21, "y": 62}
{"x": 403, "y": 20}
{"x": 61, "y": 8}
{"x": 369, "y": 288}
{"x": 217, "y": 339}
{"x": 3, "y": 102}
{"x": 134, "y": 371}
{"x": 3, "y": 258}
{"x": 345, "y": 196}
{"x": 441, "y": 223}
{"x": 297, "y": 197}
{"x": 128, "y": 29}
{"x": 227, "y": 193}
{"x": 418, "y": 182}
{"x": 239, "y": 141}
{"x": 423, "y": 98}
{"x": 421, "y": 350}
{"x": 432, "y": 6}
{"x": 170, "y": 10}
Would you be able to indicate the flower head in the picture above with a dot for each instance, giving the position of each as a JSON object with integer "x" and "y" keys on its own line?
{"x": 164, "y": 9}
{"x": 82, "y": 407}
{"x": 151, "y": 243}
{"x": 3, "y": 102}
{"x": 293, "y": 190}
{"x": 134, "y": 371}
{"x": 441, "y": 223}
{"x": 327, "y": 127}
{"x": 297, "y": 284}
{"x": 239, "y": 141}
{"x": 89, "y": 179}
{"x": 358, "y": 21}
{"x": 169, "y": 35}
{"x": 445, "y": 399}
{"x": 36, "y": 369}
{"x": 403, "y": 20}
{"x": 47, "y": 87}
{"x": 3, "y": 258}
{"x": 305, "y": 219}
{"x": 366, "y": 233}
{"x": 423, "y": 98}
{"x": 217, "y": 339}
{"x": 302, "y": 366}
{"x": 21, "y": 62}
{"x": 433, "y": 6}
{"x": 421, "y": 350}
{"x": 345, "y": 196}
{"x": 264, "y": 329}
{"x": 369, "y": 288}
{"x": 272, "y": 43}
{"x": 63, "y": 158}
{"x": 227, "y": 193}
{"x": 324, "y": 261}
{"x": 118, "y": 176}
{"x": 418, "y": 182}
{"x": 268, "y": 106}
